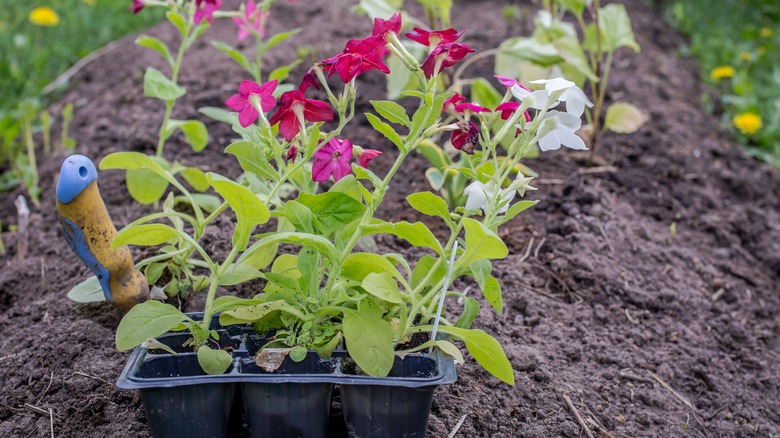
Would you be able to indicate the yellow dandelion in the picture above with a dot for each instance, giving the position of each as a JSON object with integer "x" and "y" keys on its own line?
{"x": 44, "y": 16}
{"x": 766, "y": 32}
{"x": 746, "y": 56}
{"x": 747, "y": 123}
{"x": 722, "y": 72}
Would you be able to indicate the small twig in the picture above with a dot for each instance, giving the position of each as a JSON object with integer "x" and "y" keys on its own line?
{"x": 599, "y": 169}
{"x": 69, "y": 73}
{"x": 577, "y": 415}
{"x": 8, "y": 356}
{"x": 527, "y": 251}
{"x": 715, "y": 414}
{"x": 606, "y": 239}
{"x": 538, "y": 247}
{"x": 679, "y": 396}
{"x": 21, "y": 233}
{"x": 458, "y": 425}
{"x": 43, "y": 394}
{"x": 636, "y": 378}
{"x": 35, "y": 409}
{"x": 92, "y": 377}
{"x": 51, "y": 422}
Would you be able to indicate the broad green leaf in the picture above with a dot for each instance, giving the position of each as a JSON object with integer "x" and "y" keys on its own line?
{"x": 144, "y": 235}
{"x": 243, "y": 315}
{"x": 386, "y": 130}
{"x": 153, "y": 272}
{"x": 575, "y": 6}
{"x": 492, "y": 291}
{"x": 287, "y": 265}
{"x": 178, "y": 21}
{"x": 349, "y": 186}
{"x": 214, "y": 361}
{"x": 252, "y": 159}
{"x": 88, "y": 291}
{"x": 624, "y": 118}
{"x": 234, "y": 54}
{"x": 155, "y": 44}
{"x": 528, "y": 49}
{"x": 309, "y": 267}
{"x": 483, "y": 93}
{"x": 134, "y": 161}
{"x": 196, "y": 134}
{"x": 516, "y": 209}
{"x": 278, "y": 38}
{"x": 332, "y": 210}
{"x": 451, "y": 350}
{"x": 359, "y": 264}
{"x": 299, "y": 215}
{"x": 429, "y": 204}
{"x": 238, "y": 273}
{"x": 207, "y": 203}
{"x": 392, "y": 112}
{"x": 378, "y": 8}
{"x": 486, "y": 350}
{"x": 262, "y": 257}
{"x": 298, "y": 353}
{"x": 434, "y": 154}
{"x": 218, "y": 114}
{"x": 249, "y": 209}
{"x": 416, "y": 233}
{"x": 382, "y": 285}
{"x": 145, "y": 186}
{"x": 426, "y": 115}
{"x": 146, "y": 320}
{"x": 481, "y": 243}
{"x": 470, "y": 312}
{"x": 283, "y": 72}
{"x": 423, "y": 267}
{"x": 400, "y": 79}
{"x": 570, "y": 50}
{"x": 301, "y": 239}
{"x": 157, "y": 85}
{"x": 435, "y": 178}
{"x": 369, "y": 341}
{"x": 196, "y": 178}
{"x": 228, "y": 302}
{"x": 616, "y": 29}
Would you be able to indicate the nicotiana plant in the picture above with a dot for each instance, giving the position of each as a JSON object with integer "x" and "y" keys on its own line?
{"x": 327, "y": 293}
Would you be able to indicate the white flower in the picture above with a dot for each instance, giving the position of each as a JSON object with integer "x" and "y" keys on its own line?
{"x": 558, "y": 129}
{"x": 479, "y": 196}
{"x": 566, "y": 91}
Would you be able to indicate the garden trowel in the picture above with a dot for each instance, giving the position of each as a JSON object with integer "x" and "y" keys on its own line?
{"x": 89, "y": 231}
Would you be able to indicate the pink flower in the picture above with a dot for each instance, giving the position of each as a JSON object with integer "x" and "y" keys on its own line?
{"x": 251, "y": 96}
{"x": 295, "y": 110}
{"x": 433, "y": 38}
{"x": 382, "y": 27}
{"x": 365, "y": 156}
{"x": 359, "y": 56}
{"x": 449, "y": 104}
{"x": 292, "y": 153}
{"x": 206, "y": 9}
{"x": 137, "y": 6}
{"x": 332, "y": 159}
{"x": 471, "y": 107}
{"x": 466, "y": 137}
{"x": 309, "y": 80}
{"x": 509, "y": 108}
{"x": 251, "y": 23}
{"x": 447, "y": 54}
{"x": 509, "y": 82}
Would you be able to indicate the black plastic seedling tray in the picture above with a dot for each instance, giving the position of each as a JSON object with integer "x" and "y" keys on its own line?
{"x": 180, "y": 400}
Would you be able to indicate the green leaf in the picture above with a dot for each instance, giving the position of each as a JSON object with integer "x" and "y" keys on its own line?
{"x": 178, "y": 21}
{"x": 249, "y": 209}
{"x": 481, "y": 243}
{"x": 228, "y": 302}
{"x": 214, "y": 361}
{"x": 423, "y": 267}
{"x": 369, "y": 341}
{"x": 287, "y": 265}
{"x": 470, "y": 312}
{"x": 429, "y": 204}
{"x": 417, "y": 233}
{"x": 298, "y": 353}
{"x": 575, "y": 6}
{"x": 144, "y": 235}
{"x": 392, "y": 112}
{"x": 451, "y": 350}
{"x": 88, "y": 291}
{"x": 196, "y": 134}
{"x": 145, "y": 186}
{"x": 135, "y": 161}
{"x": 486, "y": 350}
{"x": 386, "y": 130}
{"x": 283, "y": 72}
{"x": 155, "y": 44}
{"x": 234, "y": 54}
{"x": 146, "y": 320}
{"x": 570, "y": 50}
{"x": 616, "y": 29}
{"x": 299, "y": 215}
{"x": 243, "y": 315}
{"x": 377, "y": 8}
{"x": 308, "y": 265}
{"x": 302, "y": 239}
{"x": 332, "y": 211}
{"x": 419, "y": 119}
{"x": 483, "y": 93}
{"x": 383, "y": 286}
{"x": 516, "y": 209}
{"x": 196, "y": 178}
{"x": 207, "y": 203}
{"x": 527, "y": 49}
{"x": 624, "y": 118}
{"x": 238, "y": 273}
{"x": 276, "y": 39}
{"x": 153, "y": 272}
{"x": 157, "y": 85}
{"x": 348, "y": 186}
{"x": 252, "y": 159}
{"x": 359, "y": 264}
{"x": 218, "y": 114}
{"x": 491, "y": 288}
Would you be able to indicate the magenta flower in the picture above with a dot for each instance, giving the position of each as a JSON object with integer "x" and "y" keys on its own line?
{"x": 447, "y": 54}
{"x": 466, "y": 137}
{"x": 332, "y": 159}
{"x": 365, "y": 156}
{"x": 449, "y": 104}
{"x": 509, "y": 108}
{"x": 137, "y": 6}
{"x": 206, "y": 9}
{"x": 251, "y": 23}
{"x": 382, "y": 27}
{"x": 309, "y": 80}
{"x": 292, "y": 153}
{"x": 295, "y": 110}
{"x": 250, "y": 97}
{"x": 470, "y": 107}
{"x": 509, "y": 82}
{"x": 433, "y": 38}
{"x": 359, "y": 56}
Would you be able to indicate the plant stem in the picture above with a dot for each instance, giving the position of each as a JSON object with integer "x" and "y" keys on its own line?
{"x": 163, "y": 134}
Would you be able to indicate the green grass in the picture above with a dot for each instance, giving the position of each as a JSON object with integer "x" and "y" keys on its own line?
{"x": 743, "y": 34}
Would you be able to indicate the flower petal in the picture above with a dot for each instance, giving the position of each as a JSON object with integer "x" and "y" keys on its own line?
{"x": 247, "y": 116}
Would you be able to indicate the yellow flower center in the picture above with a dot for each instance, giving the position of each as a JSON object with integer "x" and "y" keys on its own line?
{"x": 44, "y": 16}
{"x": 722, "y": 72}
{"x": 747, "y": 123}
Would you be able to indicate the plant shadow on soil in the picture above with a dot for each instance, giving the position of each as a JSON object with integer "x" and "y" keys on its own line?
{"x": 607, "y": 305}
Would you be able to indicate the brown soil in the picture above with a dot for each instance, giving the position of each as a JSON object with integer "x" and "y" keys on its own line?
{"x": 649, "y": 333}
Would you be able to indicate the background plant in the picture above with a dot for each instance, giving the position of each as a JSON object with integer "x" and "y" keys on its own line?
{"x": 736, "y": 44}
